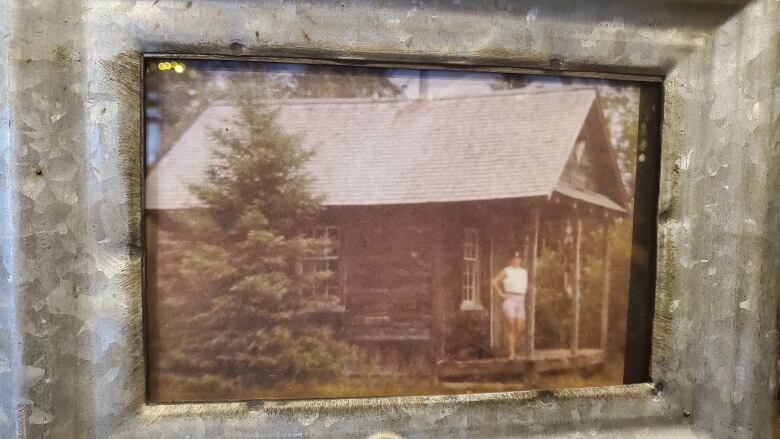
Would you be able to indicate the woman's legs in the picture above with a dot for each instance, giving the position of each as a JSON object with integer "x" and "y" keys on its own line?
{"x": 510, "y": 335}
{"x": 520, "y": 334}
{"x": 514, "y": 323}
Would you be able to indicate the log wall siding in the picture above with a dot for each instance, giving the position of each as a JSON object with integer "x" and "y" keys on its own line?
{"x": 387, "y": 257}
{"x": 402, "y": 273}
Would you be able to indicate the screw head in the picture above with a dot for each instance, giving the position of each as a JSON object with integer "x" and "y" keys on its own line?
{"x": 686, "y": 413}
{"x": 556, "y": 61}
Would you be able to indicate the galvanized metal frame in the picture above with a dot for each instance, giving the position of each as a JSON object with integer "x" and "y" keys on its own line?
{"x": 71, "y": 350}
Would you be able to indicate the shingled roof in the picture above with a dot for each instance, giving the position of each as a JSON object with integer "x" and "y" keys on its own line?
{"x": 505, "y": 144}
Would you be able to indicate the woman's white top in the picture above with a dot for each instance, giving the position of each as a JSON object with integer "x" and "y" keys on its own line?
{"x": 516, "y": 280}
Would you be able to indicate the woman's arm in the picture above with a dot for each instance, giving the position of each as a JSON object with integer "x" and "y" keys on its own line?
{"x": 496, "y": 283}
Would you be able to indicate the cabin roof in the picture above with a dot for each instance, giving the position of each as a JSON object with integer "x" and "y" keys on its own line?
{"x": 505, "y": 144}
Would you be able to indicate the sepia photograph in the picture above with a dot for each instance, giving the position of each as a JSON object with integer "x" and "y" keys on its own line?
{"x": 322, "y": 231}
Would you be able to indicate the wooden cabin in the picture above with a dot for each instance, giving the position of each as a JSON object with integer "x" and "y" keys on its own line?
{"x": 426, "y": 200}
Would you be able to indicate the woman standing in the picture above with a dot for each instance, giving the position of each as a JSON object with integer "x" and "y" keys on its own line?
{"x": 511, "y": 284}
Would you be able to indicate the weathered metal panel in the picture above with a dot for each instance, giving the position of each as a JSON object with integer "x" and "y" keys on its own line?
{"x": 71, "y": 363}
{"x": 9, "y": 362}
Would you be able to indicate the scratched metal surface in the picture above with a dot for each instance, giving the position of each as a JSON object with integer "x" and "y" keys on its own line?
{"x": 71, "y": 363}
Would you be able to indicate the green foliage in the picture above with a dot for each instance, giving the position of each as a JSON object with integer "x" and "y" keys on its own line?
{"x": 620, "y": 103}
{"x": 231, "y": 269}
{"x": 553, "y": 303}
{"x": 318, "y": 81}
{"x": 510, "y": 81}
{"x": 620, "y": 245}
{"x": 554, "y": 300}
{"x": 181, "y": 97}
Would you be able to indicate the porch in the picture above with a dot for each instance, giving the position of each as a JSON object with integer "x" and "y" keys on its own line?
{"x": 556, "y": 226}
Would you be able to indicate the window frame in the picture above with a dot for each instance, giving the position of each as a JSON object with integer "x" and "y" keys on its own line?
{"x": 471, "y": 295}
{"x": 332, "y": 253}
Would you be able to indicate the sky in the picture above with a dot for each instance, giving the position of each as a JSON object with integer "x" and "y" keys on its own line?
{"x": 443, "y": 83}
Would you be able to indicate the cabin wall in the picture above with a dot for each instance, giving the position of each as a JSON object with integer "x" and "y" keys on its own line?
{"x": 386, "y": 257}
{"x": 403, "y": 279}
{"x": 401, "y": 276}
{"x": 466, "y": 324}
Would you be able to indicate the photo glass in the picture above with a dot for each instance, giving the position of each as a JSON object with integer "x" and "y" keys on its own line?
{"x": 323, "y": 231}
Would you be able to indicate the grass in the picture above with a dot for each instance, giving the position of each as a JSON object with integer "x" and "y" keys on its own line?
{"x": 171, "y": 387}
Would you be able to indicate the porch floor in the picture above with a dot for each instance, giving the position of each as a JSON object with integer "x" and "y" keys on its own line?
{"x": 547, "y": 360}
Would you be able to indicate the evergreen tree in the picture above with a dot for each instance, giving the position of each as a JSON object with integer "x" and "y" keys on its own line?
{"x": 322, "y": 81}
{"x": 509, "y": 81}
{"x": 250, "y": 321}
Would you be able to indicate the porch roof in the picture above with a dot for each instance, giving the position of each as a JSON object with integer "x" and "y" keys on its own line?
{"x": 505, "y": 144}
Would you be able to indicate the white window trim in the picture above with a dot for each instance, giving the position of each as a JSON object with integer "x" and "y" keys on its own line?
{"x": 472, "y": 303}
{"x": 338, "y": 290}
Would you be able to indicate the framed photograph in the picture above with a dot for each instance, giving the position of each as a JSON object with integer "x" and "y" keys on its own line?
{"x": 333, "y": 231}
{"x": 388, "y": 219}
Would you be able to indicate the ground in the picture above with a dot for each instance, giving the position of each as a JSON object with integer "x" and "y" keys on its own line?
{"x": 215, "y": 388}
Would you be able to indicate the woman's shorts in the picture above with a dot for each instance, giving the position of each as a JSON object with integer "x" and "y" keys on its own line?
{"x": 514, "y": 306}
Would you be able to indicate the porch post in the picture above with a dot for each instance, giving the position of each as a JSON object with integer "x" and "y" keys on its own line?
{"x": 494, "y": 339}
{"x": 438, "y": 304}
{"x": 575, "y": 327}
{"x": 605, "y": 290}
{"x": 531, "y": 314}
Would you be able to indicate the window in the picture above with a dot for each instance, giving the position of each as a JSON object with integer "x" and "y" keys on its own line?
{"x": 325, "y": 261}
{"x": 470, "y": 299}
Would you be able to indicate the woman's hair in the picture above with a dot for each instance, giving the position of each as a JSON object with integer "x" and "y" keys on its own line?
{"x": 515, "y": 253}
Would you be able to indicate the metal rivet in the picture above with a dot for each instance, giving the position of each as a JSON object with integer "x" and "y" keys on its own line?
{"x": 556, "y": 61}
{"x": 235, "y": 46}
{"x": 39, "y": 171}
{"x": 686, "y": 413}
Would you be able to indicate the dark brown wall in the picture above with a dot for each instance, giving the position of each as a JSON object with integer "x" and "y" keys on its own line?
{"x": 385, "y": 257}
{"x": 403, "y": 272}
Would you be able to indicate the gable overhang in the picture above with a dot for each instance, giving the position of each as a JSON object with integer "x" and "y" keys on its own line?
{"x": 590, "y": 197}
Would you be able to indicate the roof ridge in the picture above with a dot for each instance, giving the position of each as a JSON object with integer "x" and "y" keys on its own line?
{"x": 373, "y": 100}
